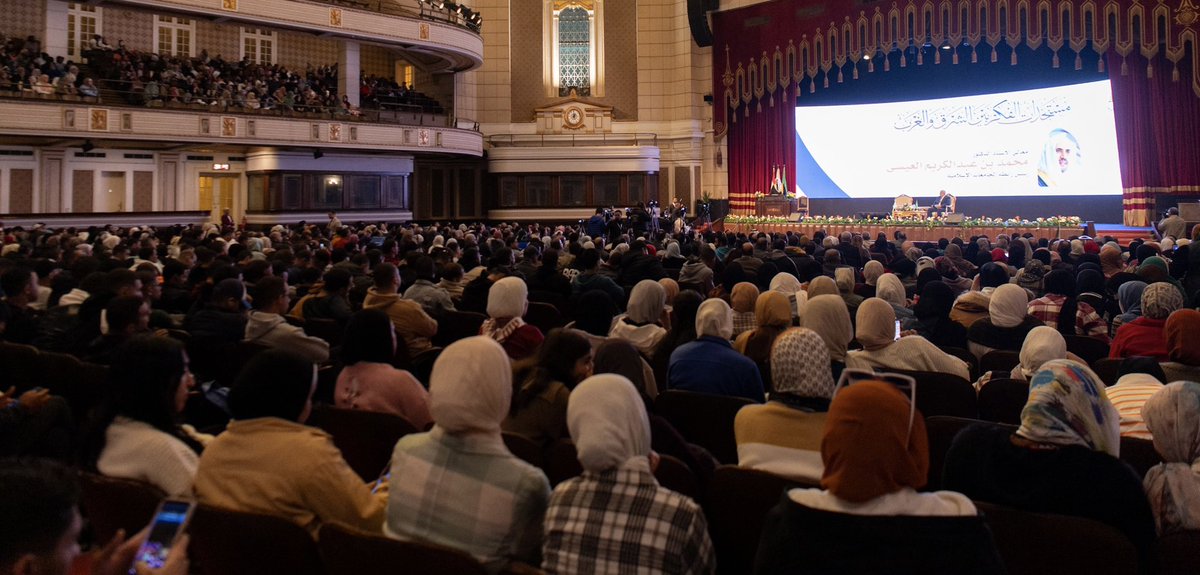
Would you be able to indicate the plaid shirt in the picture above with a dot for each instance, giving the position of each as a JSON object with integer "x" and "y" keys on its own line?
{"x": 467, "y": 493}
{"x": 743, "y": 321}
{"x": 1087, "y": 321}
{"x": 622, "y": 522}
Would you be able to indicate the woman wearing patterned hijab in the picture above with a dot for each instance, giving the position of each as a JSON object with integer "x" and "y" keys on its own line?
{"x": 783, "y": 436}
{"x": 1063, "y": 458}
{"x": 875, "y": 454}
{"x": 616, "y": 518}
{"x": 1173, "y": 417}
{"x": 1144, "y": 336}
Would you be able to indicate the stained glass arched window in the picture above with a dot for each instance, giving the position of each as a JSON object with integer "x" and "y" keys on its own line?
{"x": 574, "y": 51}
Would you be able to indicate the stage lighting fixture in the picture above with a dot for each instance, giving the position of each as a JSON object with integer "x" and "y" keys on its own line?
{"x": 87, "y": 146}
{"x": 946, "y": 45}
{"x": 867, "y": 56}
{"x": 928, "y": 43}
{"x": 317, "y": 154}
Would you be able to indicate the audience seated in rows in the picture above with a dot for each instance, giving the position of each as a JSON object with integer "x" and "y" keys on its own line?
{"x": 539, "y": 405}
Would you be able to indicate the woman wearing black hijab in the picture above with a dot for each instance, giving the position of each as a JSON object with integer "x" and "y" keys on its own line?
{"x": 932, "y": 312}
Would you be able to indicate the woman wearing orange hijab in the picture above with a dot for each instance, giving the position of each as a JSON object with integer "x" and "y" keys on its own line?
{"x": 1182, "y": 330}
{"x": 876, "y": 456}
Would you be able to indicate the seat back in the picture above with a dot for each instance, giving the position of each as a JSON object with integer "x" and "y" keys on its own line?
{"x": 421, "y": 365}
{"x": 524, "y": 449}
{"x": 365, "y": 438}
{"x": 111, "y": 503}
{"x": 1001, "y": 400}
{"x": 543, "y": 316}
{"x": 348, "y": 551}
{"x": 1089, "y": 349}
{"x": 941, "y": 431}
{"x": 999, "y": 360}
{"x": 1039, "y": 543}
{"x": 562, "y": 462}
{"x": 456, "y": 325}
{"x": 967, "y": 358}
{"x": 703, "y": 419}
{"x": 943, "y": 394}
{"x": 903, "y": 201}
{"x": 675, "y": 475}
{"x": 1179, "y": 553}
{"x": 83, "y": 385}
{"x": 225, "y": 542}
{"x": 324, "y": 328}
{"x": 736, "y": 506}
{"x": 1139, "y": 454}
{"x": 20, "y": 366}
{"x": 1109, "y": 370}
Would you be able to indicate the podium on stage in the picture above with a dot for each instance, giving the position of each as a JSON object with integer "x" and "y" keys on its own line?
{"x": 782, "y": 206}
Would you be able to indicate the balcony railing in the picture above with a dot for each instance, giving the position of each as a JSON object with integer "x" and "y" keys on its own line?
{"x": 387, "y": 113}
{"x": 570, "y": 140}
{"x": 436, "y": 11}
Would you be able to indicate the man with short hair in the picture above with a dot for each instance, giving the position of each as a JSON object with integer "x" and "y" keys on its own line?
{"x": 637, "y": 265}
{"x": 413, "y": 325}
{"x": 266, "y": 324}
{"x": 224, "y": 318}
{"x": 20, "y": 287}
{"x": 1173, "y": 225}
{"x": 433, "y": 299}
{"x": 332, "y": 302}
{"x": 39, "y": 533}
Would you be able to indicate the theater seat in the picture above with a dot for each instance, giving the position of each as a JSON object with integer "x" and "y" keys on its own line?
{"x": 1002, "y": 400}
{"x": 999, "y": 360}
{"x": 943, "y": 394}
{"x": 348, "y": 551}
{"x": 1179, "y": 553}
{"x": 456, "y": 325}
{"x": 225, "y": 542}
{"x": 942, "y": 431}
{"x": 736, "y": 507}
{"x": 1089, "y": 349}
{"x": 1038, "y": 543}
{"x": 1139, "y": 454}
{"x": 365, "y": 438}
{"x": 703, "y": 419}
{"x": 111, "y": 503}
{"x": 524, "y": 449}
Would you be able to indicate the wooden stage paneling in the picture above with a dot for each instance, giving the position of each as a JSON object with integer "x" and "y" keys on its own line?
{"x": 914, "y": 233}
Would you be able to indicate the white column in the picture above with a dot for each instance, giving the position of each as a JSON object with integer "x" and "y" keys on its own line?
{"x": 54, "y": 36}
{"x": 348, "y": 70}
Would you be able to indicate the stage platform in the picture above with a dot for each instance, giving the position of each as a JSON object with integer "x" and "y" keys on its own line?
{"x": 922, "y": 233}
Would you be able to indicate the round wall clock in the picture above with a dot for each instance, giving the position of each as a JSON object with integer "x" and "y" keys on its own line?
{"x": 573, "y": 118}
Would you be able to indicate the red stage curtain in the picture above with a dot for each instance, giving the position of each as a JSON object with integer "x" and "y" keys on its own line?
{"x": 756, "y": 143}
{"x": 1157, "y": 118}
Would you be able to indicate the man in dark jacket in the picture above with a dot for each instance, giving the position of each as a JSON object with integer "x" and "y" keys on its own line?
{"x": 637, "y": 265}
{"x": 224, "y": 318}
{"x": 596, "y": 225}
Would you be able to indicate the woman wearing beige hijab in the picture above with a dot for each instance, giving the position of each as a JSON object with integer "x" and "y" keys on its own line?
{"x": 876, "y": 331}
{"x": 827, "y": 316}
{"x": 743, "y": 300}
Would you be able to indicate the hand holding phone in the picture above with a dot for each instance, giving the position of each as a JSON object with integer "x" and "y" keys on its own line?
{"x": 156, "y": 552}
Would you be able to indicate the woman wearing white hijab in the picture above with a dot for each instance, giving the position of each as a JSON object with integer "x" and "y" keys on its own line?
{"x": 876, "y": 331}
{"x": 616, "y": 518}
{"x": 1173, "y": 416}
{"x": 710, "y": 364}
{"x": 450, "y": 471}
{"x": 787, "y": 284}
{"x": 1007, "y": 324}
{"x": 640, "y": 324}
{"x": 889, "y": 288}
{"x": 507, "y": 301}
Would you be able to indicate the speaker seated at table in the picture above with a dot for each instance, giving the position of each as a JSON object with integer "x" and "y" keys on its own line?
{"x": 944, "y": 204}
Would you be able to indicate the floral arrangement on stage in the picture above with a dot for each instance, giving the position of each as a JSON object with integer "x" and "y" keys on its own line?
{"x": 1015, "y": 222}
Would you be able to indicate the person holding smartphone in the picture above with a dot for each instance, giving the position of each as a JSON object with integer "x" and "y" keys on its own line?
{"x": 39, "y": 501}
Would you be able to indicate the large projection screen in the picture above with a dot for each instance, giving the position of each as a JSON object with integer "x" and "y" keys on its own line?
{"x": 1058, "y": 141}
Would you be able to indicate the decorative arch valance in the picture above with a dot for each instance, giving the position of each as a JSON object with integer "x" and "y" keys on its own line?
{"x": 764, "y": 56}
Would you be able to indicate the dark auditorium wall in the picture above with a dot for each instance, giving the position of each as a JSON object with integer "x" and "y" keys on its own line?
{"x": 620, "y": 60}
